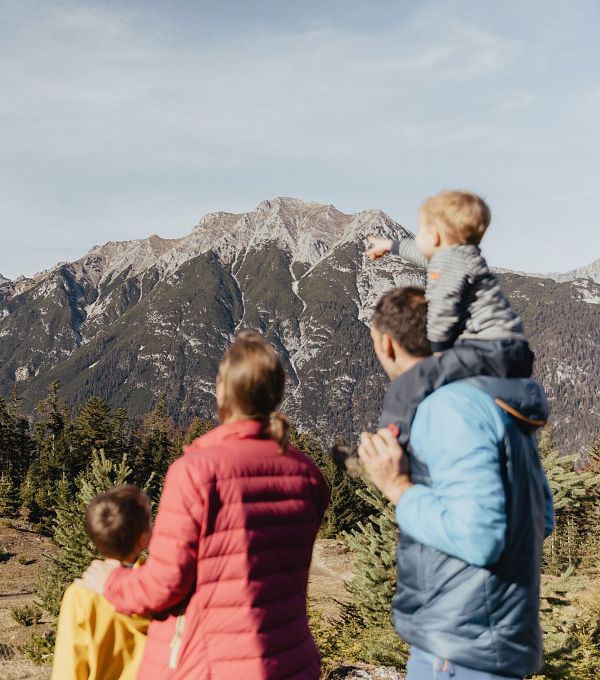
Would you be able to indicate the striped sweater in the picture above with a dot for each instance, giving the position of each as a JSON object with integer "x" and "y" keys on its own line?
{"x": 464, "y": 298}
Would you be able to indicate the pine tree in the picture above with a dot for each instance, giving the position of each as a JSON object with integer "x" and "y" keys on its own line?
{"x": 347, "y": 506}
{"x": 24, "y": 447}
{"x": 9, "y": 499}
{"x": 55, "y": 461}
{"x": 16, "y": 447}
{"x": 121, "y": 432}
{"x": 572, "y": 492}
{"x": 197, "y": 428}
{"x": 75, "y": 550}
{"x": 591, "y": 462}
{"x": 589, "y": 521}
{"x": 93, "y": 429}
{"x": 157, "y": 445}
{"x": 7, "y": 436}
{"x": 364, "y": 630}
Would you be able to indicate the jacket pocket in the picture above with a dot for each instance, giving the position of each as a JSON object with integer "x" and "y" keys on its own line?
{"x": 176, "y": 642}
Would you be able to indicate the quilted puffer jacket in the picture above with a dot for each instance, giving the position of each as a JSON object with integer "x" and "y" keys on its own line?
{"x": 227, "y": 571}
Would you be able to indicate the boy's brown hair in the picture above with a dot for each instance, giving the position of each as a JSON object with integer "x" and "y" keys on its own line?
{"x": 402, "y": 314}
{"x": 253, "y": 381}
{"x": 116, "y": 519}
{"x": 462, "y": 215}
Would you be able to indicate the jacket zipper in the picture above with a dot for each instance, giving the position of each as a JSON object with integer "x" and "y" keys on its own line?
{"x": 176, "y": 642}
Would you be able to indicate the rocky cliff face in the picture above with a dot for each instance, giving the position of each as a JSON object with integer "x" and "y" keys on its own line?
{"x": 136, "y": 320}
{"x": 590, "y": 272}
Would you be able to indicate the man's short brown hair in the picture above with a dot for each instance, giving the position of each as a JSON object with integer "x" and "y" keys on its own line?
{"x": 402, "y": 314}
{"x": 116, "y": 519}
{"x": 462, "y": 215}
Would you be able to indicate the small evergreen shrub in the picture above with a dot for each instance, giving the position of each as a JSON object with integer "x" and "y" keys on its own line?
{"x": 40, "y": 648}
{"x": 5, "y": 555}
{"x": 29, "y": 615}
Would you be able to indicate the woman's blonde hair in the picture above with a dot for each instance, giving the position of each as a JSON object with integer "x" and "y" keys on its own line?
{"x": 252, "y": 381}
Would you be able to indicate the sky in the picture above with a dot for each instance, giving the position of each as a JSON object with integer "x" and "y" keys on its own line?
{"x": 123, "y": 119}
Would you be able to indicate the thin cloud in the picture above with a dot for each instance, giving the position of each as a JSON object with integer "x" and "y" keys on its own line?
{"x": 122, "y": 123}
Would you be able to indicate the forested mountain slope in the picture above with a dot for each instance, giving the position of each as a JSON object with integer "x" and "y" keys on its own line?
{"x": 137, "y": 320}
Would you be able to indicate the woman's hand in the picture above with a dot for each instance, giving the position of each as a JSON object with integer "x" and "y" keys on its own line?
{"x": 379, "y": 247}
{"x": 96, "y": 575}
{"x": 385, "y": 463}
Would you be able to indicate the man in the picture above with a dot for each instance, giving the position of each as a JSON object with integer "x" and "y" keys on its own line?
{"x": 473, "y": 511}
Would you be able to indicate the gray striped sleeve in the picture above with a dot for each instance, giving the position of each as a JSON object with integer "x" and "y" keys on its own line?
{"x": 464, "y": 299}
{"x": 448, "y": 279}
{"x": 407, "y": 249}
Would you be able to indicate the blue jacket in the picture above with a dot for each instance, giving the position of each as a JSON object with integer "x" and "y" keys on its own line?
{"x": 472, "y": 527}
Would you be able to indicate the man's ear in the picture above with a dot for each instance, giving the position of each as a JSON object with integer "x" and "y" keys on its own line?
{"x": 387, "y": 346}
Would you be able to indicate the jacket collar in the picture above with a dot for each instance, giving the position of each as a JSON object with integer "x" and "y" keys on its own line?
{"x": 237, "y": 429}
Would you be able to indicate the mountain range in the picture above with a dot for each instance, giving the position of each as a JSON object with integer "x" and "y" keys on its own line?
{"x": 135, "y": 321}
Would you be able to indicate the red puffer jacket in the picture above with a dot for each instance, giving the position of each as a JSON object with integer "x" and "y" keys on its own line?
{"x": 231, "y": 546}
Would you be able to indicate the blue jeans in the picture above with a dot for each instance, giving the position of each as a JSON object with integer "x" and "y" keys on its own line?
{"x": 424, "y": 666}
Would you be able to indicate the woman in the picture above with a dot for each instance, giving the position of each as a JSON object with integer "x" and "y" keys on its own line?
{"x": 232, "y": 541}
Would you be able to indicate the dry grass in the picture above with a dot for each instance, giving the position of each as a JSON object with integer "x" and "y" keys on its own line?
{"x": 18, "y": 574}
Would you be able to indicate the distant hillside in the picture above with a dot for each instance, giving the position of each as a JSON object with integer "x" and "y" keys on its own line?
{"x": 563, "y": 322}
{"x": 136, "y": 320}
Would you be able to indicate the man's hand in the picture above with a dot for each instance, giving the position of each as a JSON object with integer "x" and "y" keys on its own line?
{"x": 385, "y": 463}
{"x": 96, "y": 575}
{"x": 379, "y": 247}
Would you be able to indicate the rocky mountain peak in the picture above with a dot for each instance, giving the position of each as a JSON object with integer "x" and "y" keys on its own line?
{"x": 590, "y": 272}
{"x": 103, "y": 262}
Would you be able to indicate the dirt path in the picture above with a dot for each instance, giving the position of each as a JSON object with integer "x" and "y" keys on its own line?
{"x": 22, "y": 557}
{"x": 20, "y": 670}
{"x": 330, "y": 570}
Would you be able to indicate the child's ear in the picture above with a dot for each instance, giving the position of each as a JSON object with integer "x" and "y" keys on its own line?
{"x": 144, "y": 540}
{"x": 436, "y": 237}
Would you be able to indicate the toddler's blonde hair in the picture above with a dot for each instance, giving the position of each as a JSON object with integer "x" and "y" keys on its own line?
{"x": 462, "y": 215}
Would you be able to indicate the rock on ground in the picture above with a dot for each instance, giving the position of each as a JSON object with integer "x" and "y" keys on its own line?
{"x": 366, "y": 673}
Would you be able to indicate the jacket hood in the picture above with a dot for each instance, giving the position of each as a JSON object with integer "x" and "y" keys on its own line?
{"x": 523, "y": 398}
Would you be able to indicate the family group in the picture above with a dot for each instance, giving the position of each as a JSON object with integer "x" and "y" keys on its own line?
{"x": 222, "y": 593}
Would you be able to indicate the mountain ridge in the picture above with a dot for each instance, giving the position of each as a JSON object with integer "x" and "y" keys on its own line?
{"x": 132, "y": 321}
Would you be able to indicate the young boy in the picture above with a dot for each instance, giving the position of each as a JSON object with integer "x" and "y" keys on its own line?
{"x": 93, "y": 641}
{"x": 471, "y": 326}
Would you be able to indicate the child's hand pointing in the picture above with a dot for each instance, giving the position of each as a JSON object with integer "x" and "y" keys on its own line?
{"x": 379, "y": 247}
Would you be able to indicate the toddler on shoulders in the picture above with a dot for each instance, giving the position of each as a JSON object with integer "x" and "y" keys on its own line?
{"x": 471, "y": 325}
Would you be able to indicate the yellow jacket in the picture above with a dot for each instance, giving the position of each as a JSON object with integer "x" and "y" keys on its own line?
{"x": 94, "y": 642}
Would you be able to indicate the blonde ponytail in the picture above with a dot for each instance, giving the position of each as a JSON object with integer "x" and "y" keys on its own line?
{"x": 251, "y": 384}
{"x": 279, "y": 430}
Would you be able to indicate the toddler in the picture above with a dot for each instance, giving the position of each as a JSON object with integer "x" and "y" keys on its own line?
{"x": 471, "y": 326}
{"x": 93, "y": 641}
